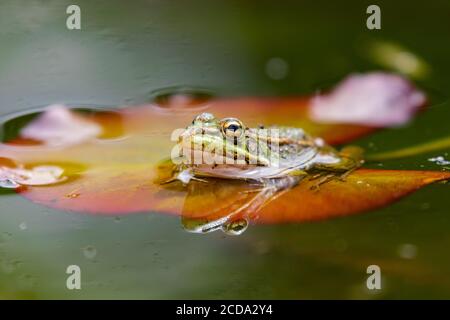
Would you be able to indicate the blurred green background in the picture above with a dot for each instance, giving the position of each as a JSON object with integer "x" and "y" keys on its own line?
{"x": 127, "y": 49}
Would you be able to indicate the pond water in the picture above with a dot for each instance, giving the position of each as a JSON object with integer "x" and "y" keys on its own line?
{"x": 125, "y": 52}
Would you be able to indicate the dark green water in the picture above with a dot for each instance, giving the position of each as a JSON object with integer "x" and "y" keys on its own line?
{"x": 126, "y": 50}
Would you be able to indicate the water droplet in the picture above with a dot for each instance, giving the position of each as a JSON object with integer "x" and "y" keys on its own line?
{"x": 440, "y": 160}
{"x": 23, "y": 226}
{"x": 236, "y": 227}
{"x": 176, "y": 98}
{"x": 89, "y": 252}
{"x": 407, "y": 251}
{"x": 277, "y": 68}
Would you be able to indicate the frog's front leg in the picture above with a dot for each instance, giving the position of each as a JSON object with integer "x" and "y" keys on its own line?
{"x": 168, "y": 172}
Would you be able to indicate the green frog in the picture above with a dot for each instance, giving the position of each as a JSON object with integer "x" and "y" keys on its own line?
{"x": 277, "y": 158}
{"x": 226, "y": 148}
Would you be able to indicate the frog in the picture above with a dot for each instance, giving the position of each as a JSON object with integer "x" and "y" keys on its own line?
{"x": 275, "y": 157}
{"x": 259, "y": 154}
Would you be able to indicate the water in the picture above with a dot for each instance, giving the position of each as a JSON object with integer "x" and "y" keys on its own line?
{"x": 125, "y": 51}
{"x": 175, "y": 99}
{"x": 89, "y": 252}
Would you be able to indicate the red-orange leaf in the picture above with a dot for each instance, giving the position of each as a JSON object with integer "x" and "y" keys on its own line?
{"x": 134, "y": 191}
{"x": 113, "y": 167}
{"x": 362, "y": 190}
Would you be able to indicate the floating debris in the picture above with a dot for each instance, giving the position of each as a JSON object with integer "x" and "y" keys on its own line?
{"x": 73, "y": 195}
{"x": 8, "y": 183}
{"x": 440, "y": 160}
{"x": 41, "y": 175}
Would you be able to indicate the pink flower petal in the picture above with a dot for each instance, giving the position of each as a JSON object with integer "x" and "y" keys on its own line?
{"x": 40, "y": 175}
{"x": 373, "y": 99}
{"x": 59, "y": 126}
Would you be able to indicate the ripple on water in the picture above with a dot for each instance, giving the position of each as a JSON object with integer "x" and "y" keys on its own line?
{"x": 181, "y": 98}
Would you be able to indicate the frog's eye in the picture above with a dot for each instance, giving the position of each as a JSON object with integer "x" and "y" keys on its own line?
{"x": 232, "y": 128}
{"x": 203, "y": 118}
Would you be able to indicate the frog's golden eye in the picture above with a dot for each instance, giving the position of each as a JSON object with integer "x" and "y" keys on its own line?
{"x": 232, "y": 128}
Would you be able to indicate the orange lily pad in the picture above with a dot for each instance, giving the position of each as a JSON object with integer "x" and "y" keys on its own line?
{"x": 363, "y": 190}
{"x": 120, "y": 176}
{"x": 104, "y": 192}
{"x": 117, "y": 170}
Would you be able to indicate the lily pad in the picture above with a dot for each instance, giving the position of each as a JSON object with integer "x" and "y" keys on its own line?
{"x": 119, "y": 173}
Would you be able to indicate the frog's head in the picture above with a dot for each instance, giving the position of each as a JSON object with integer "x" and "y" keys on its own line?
{"x": 226, "y": 140}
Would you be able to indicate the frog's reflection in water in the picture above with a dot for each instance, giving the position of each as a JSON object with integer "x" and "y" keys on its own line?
{"x": 229, "y": 205}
